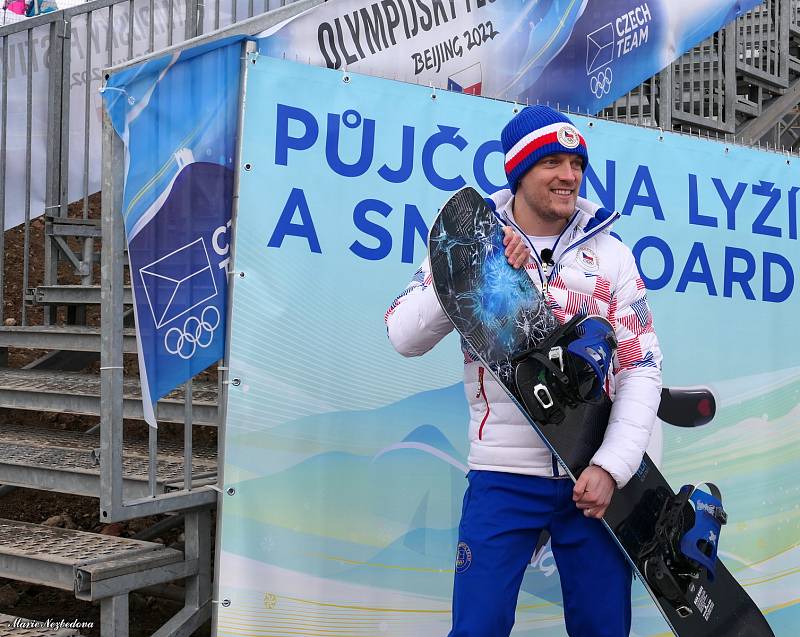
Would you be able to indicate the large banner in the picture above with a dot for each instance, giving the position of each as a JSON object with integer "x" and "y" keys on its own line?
{"x": 578, "y": 53}
{"x": 344, "y": 462}
{"x": 174, "y": 111}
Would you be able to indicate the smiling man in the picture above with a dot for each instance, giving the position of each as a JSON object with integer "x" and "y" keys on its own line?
{"x": 516, "y": 487}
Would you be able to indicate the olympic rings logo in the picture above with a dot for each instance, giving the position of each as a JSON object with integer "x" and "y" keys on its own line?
{"x": 600, "y": 84}
{"x": 196, "y": 332}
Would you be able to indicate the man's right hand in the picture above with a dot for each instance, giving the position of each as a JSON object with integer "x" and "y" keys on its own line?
{"x": 517, "y": 252}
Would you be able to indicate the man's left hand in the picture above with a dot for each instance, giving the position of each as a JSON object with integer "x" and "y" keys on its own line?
{"x": 593, "y": 491}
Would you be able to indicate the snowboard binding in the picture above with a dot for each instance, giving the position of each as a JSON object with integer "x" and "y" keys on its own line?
{"x": 684, "y": 543}
{"x": 567, "y": 368}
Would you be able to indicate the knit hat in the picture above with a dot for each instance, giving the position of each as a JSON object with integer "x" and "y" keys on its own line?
{"x": 534, "y": 133}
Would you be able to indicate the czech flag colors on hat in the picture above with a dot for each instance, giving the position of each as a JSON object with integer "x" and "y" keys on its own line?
{"x": 535, "y": 132}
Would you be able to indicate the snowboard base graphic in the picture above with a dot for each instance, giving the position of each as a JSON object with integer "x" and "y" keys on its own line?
{"x": 501, "y": 315}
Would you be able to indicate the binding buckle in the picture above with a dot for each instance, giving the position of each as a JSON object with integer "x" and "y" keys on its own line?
{"x": 542, "y": 394}
{"x": 557, "y": 354}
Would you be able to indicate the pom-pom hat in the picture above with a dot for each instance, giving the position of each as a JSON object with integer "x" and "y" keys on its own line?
{"x": 534, "y": 133}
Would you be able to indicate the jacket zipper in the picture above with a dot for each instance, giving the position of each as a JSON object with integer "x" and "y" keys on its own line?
{"x": 546, "y": 279}
{"x": 482, "y": 392}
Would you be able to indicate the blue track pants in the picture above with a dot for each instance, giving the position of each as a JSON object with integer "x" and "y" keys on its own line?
{"x": 502, "y": 517}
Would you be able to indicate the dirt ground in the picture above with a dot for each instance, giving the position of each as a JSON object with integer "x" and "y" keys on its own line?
{"x": 147, "y": 611}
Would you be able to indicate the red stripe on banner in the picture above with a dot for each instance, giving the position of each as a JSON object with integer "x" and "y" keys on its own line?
{"x": 577, "y": 302}
{"x": 486, "y": 400}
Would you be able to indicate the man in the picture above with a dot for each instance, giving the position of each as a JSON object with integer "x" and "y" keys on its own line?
{"x": 516, "y": 488}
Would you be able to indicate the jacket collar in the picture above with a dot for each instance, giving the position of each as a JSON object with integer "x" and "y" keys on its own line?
{"x": 588, "y": 220}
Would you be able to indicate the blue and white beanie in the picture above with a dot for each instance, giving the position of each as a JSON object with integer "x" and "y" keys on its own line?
{"x": 534, "y": 133}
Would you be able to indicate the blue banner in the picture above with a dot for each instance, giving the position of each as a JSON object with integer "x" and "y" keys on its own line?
{"x": 180, "y": 109}
{"x": 344, "y": 462}
{"x": 177, "y": 117}
{"x": 581, "y": 54}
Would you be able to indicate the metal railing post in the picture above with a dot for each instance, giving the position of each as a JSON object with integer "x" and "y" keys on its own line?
{"x": 728, "y": 87}
{"x": 59, "y": 34}
{"x": 194, "y": 19}
{"x": 111, "y": 290}
{"x": 665, "y": 92}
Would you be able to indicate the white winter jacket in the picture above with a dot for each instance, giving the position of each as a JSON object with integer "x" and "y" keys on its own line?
{"x": 594, "y": 274}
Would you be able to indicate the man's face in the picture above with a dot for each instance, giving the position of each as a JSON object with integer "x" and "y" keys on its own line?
{"x": 550, "y": 188}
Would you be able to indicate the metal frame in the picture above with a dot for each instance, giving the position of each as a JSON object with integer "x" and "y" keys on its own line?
{"x": 249, "y": 50}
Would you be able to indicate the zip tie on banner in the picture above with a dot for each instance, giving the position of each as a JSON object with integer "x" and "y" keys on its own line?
{"x": 111, "y": 367}
{"x": 222, "y": 368}
{"x": 105, "y": 88}
{"x": 215, "y": 487}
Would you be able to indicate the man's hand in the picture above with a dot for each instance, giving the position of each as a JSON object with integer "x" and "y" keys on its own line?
{"x": 593, "y": 491}
{"x": 517, "y": 252}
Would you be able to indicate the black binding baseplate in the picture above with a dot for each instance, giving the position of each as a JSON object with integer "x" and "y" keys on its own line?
{"x": 662, "y": 559}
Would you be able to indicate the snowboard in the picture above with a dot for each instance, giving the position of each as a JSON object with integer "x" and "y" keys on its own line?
{"x": 502, "y": 317}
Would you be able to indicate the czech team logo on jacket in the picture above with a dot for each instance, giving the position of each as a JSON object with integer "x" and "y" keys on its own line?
{"x": 463, "y": 557}
{"x": 588, "y": 260}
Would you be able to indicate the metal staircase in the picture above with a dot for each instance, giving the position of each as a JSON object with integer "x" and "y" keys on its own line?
{"x": 57, "y": 356}
{"x": 742, "y": 83}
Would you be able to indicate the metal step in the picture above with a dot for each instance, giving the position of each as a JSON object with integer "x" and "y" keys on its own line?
{"x": 70, "y": 295}
{"x": 74, "y": 227}
{"x": 93, "y": 566}
{"x": 79, "y": 393}
{"x": 11, "y": 626}
{"x": 69, "y": 462}
{"x": 39, "y": 435}
{"x": 74, "y": 338}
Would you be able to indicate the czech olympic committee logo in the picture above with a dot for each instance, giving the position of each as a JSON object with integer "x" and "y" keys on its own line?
{"x": 568, "y": 137}
{"x": 178, "y": 284}
{"x": 463, "y": 557}
{"x": 587, "y": 260}
{"x": 196, "y": 332}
